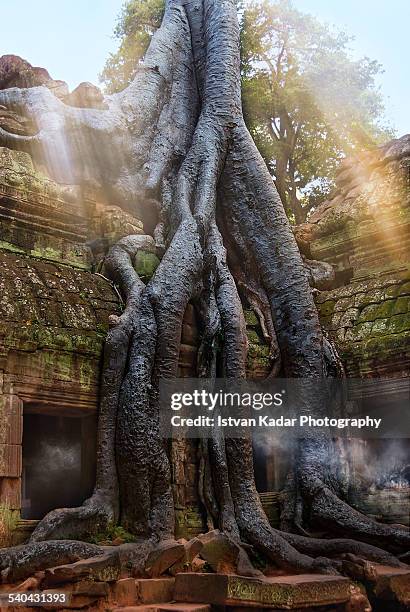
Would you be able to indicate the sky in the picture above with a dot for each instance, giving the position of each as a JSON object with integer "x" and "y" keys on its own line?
{"x": 73, "y": 38}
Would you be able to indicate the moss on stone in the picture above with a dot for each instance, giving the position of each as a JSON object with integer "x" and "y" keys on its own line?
{"x": 145, "y": 264}
{"x": 253, "y": 336}
{"x": 258, "y": 350}
{"x": 73, "y": 257}
{"x": 399, "y": 323}
{"x": 362, "y": 330}
{"x": 326, "y": 309}
{"x": 251, "y": 319}
{"x": 374, "y": 347}
{"x": 257, "y": 363}
{"x": 87, "y": 374}
{"x": 188, "y": 522}
{"x": 12, "y": 248}
{"x": 112, "y": 533}
{"x": 401, "y": 305}
{"x": 405, "y": 289}
{"x": 380, "y": 327}
{"x": 392, "y": 291}
{"x": 377, "y": 311}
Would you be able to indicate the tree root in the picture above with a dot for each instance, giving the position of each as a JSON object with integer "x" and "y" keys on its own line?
{"x": 329, "y": 511}
{"x": 20, "y": 562}
{"x": 62, "y": 561}
{"x": 102, "y": 508}
{"x": 95, "y": 515}
{"x": 339, "y": 548}
{"x": 291, "y": 551}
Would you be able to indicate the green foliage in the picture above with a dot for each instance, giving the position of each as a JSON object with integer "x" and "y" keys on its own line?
{"x": 136, "y": 24}
{"x": 112, "y": 533}
{"x": 307, "y": 104}
{"x": 8, "y": 523}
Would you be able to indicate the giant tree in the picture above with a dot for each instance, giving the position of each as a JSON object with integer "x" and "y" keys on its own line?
{"x": 174, "y": 144}
{"x": 307, "y": 103}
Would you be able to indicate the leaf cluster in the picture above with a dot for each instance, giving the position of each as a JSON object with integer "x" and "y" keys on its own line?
{"x": 135, "y": 26}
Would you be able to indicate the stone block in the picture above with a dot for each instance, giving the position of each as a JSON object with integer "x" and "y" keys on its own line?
{"x": 187, "y": 371}
{"x": 189, "y": 334}
{"x": 178, "y": 492}
{"x": 165, "y": 554}
{"x": 11, "y": 411}
{"x": 192, "y": 549}
{"x": 10, "y": 492}
{"x": 191, "y": 562}
{"x": 124, "y": 592}
{"x": 390, "y": 584}
{"x": 166, "y": 607}
{"x": 189, "y": 315}
{"x": 90, "y": 588}
{"x": 10, "y": 460}
{"x": 191, "y": 451}
{"x": 189, "y": 522}
{"x": 154, "y": 590}
{"x": 191, "y": 473}
{"x": 187, "y": 356}
{"x": 145, "y": 264}
{"x": 102, "y": 568}
{"x": 183, "y": 607}
{"x": 82, "y": 595}
{"x": 115, "y": 223}
{"x": 191, "y": 493}
{"x": 178, "y": 471}
{"x": 225, "y": 556}
{"x": 282, "y": 592}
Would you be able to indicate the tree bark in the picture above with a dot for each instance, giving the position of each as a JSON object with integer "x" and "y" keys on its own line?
{"x": 176, "y": 135}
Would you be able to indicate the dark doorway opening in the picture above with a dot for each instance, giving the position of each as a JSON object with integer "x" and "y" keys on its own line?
{"x": 272, "y": 459}
{"x": 58, "y": 461}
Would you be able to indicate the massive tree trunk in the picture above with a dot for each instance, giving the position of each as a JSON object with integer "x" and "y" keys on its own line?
{"x": 175, "y": 141}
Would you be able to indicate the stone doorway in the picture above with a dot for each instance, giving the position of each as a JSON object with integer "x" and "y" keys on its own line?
{"x": 272, "y": 461}
{"x": 58, "y": 459}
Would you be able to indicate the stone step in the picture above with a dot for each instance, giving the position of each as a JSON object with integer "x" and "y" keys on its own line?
{"x": 131, "y": 591}
{"x": 388, "y": 584}
{"x": 155, "y": 590}
{"x": 281, "y": 592}
{"x": 167, "y": 607}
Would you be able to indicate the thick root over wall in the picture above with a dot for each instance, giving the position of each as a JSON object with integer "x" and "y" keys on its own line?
{"x": 173, "y": 147}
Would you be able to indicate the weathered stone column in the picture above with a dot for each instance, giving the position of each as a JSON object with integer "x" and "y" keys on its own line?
{"x": 11, "y": 437}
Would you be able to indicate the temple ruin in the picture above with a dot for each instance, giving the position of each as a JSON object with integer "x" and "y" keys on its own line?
{"x": 56, "y": 307}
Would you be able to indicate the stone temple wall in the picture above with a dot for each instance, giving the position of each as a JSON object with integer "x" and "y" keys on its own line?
{"x": 54, "y": 312}
{"x": 55, "y": 304}
{"x": 364, "y": 232}
{"x": 52, "y": 328}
